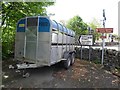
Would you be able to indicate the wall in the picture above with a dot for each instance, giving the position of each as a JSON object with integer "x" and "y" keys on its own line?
{"x": 111, "y": 57}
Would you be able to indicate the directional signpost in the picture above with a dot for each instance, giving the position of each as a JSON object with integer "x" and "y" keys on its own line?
{"x": 103, "y": 30}
{"x": 86, "y": 40}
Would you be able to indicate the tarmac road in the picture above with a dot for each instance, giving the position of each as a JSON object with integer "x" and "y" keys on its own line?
{"x": 82, "y": 74}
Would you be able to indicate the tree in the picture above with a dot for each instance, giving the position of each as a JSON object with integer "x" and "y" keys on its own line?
{"x": 11, "y": 13}
{"x": 95, "y": 24}
{"x": 76, "y": 23}
{"x": 116, "y": 37}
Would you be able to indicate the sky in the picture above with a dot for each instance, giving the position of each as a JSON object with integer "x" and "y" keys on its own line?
{"x": 87, "y": 10}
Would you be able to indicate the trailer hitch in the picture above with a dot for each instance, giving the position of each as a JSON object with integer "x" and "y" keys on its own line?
{"x": 25, "y": 74}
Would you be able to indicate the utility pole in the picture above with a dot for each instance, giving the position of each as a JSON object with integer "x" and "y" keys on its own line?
{"x": 103, "y": 41}
{"x": 119, "y": 24}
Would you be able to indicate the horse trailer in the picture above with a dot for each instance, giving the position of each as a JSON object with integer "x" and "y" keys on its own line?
{"x": 40, "y": 41}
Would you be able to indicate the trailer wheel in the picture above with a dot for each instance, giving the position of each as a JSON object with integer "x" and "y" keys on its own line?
{"x": 72, "y": 58}
{"x": 67, "y": 62}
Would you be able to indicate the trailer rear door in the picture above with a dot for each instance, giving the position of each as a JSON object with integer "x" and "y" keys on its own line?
{"x": 31, "y": 38}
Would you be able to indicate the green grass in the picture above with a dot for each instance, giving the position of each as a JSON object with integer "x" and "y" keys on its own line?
{"x": 96, "y": 61}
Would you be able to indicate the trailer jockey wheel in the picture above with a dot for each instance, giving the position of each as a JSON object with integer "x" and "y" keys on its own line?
{"x": 72, "y": 58}
{"x": 25, "y": 74}
{"x": 67, "y": 62}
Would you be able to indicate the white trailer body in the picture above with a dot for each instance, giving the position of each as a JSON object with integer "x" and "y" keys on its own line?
{"x": 40, "y": 42}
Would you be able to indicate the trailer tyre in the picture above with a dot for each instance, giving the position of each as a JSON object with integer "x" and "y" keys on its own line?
{"x": 72, "y": 58}
{"x": 67, "y": 62}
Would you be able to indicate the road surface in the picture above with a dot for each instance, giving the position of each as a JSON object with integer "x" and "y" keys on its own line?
{"x": 82, "y": 74}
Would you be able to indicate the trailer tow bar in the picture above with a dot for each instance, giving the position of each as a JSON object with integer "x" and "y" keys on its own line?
{"x": 25, "y": 74}
{"x": 23, "y": 70}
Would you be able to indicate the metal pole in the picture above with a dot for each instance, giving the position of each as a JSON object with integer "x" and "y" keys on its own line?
{"x": 89, "y": 52}
{"x": 81, "y": 52}
{"x": 103, "y": 41}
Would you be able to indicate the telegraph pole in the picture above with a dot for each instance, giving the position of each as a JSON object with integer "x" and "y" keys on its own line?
{"x": 103, "y": 41}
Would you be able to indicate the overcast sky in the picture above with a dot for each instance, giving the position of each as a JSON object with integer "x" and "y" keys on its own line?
{"x": 87, "y": 10}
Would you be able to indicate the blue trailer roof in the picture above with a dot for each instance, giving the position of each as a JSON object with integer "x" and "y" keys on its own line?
{"x": 54, "y": 25}
{"x": 70, "y": 32}
{"x": 65, "y": 30}
{"x": 44, "y": 25}
{"x": 60, "y": 27}
{"x": 73, "y": 33}
{"x": 21, "y": 25}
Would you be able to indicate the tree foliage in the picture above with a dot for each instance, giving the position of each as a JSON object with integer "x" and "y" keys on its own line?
{"x": 76, "y": 23}
{"x": 116, "y": 37}
{"x": 11, "y": 13}
{"x": 95, "y": 24}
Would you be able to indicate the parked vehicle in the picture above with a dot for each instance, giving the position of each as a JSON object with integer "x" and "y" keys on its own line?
{"x": 41, "y": 42}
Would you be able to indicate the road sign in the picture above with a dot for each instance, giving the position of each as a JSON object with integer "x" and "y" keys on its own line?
{"x": 102, "y": 37}
{"x": 86, "y": 40}
{"x": 104, "y": 30}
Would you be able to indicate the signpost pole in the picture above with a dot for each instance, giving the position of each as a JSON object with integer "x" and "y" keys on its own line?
{"x": 86, "y": 40}
{"x": 103, "y": 45}
{"x": 103, "y": 41}
{"x": 90, "y": 32}
{"x": 103, "y": 31}
{"x": 81, "y": 52}
{"x": 89, "y": 52}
